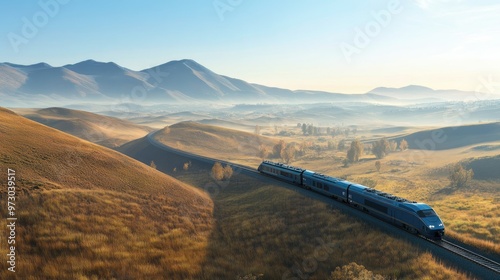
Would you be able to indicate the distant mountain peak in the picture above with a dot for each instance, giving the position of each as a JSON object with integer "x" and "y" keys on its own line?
{"x": 416, "y": 87}
{"x": 27, "y": 68}
{"x": 406, "y": 89}
{"x": 93, "y": 67}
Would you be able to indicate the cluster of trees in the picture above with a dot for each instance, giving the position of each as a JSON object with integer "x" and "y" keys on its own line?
{"x": 355, "y": 151}
{"x": 309, "y": 129}
{"x": 282, "y": 150}
{"x": 221, "y": 173}
{"x": 459, "y": 176}
{"x": 380, "y": 149}
{"x": 383, "y": 147}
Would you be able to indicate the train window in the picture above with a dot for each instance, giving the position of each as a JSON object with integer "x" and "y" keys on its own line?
{"x": 327, "y": 188}
{"x": 314, "y": 183}
{"x": 426, "y": 213}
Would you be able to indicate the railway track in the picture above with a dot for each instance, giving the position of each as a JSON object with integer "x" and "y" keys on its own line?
{"x": 468, "y": 254}
{"x": 446, "y": 245}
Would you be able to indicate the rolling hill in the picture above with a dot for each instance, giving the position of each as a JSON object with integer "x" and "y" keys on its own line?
{"x": 106, "y": 131}
{"x": 453, "y": 137}
{"x": 216, "y": 142}
{"x": 485, "y": 168}
{"x": 88, "y": 212}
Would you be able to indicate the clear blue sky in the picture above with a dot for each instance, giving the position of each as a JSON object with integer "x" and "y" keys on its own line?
{"x": 291, "y": 44}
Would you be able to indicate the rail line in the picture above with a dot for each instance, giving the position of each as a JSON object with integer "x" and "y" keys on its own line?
{"x": 447, "y": 245}
{"x": 468, "y": 254}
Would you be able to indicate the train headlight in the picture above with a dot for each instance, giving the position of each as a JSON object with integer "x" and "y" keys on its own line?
{"x": 440, "y": 225}
{"x": 431, "y": 226}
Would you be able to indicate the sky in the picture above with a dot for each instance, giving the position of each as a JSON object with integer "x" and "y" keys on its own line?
{"x": 338, "y": 46}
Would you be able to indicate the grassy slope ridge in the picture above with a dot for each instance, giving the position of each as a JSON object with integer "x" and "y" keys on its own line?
{"x": 453, "y": 137}
{"x": 470, "y": 214}
{"x": 88, "y": 211}
{"x": 262, "y": 228}
{"x": 212, "y": 141}
{"x": 103, "y": 130}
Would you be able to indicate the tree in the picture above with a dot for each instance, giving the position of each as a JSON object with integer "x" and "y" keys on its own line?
{"x": 378, "y": 165}
{"x": 393, "y": 145}
{"x": 186, "y": 166}
{"x": 301, "y": 150}
{"x": 263, "y": 152}
{"x": 304, "y": 128}
{"x": 403, "y": 145}
{"x": 341, "y": 145}
{"x": 217, "y": 171}
{"x": 278, "y": 148}
{"x": 354, "y": 271}
{"x": 288, "y": 154}
{"x": 228, "y": 172}
{"x": 345, "y": 162}
{"x": 381, "y": 148}
{"x": 152, "y": 164}
{"x": 355, "y": 151}
{"x": 459, "y": 176}
{"x": 310, "y": 129}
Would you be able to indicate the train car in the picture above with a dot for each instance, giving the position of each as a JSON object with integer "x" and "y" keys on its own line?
{"x": 330, "y": 186}
{"x": 285, "y": 172}
{"x": 418, "y": 218}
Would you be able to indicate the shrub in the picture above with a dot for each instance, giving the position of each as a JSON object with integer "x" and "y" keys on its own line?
{"x": 459, "y": 176}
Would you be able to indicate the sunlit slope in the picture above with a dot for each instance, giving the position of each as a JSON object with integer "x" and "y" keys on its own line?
{"x": 88, "y": 211}
{"x": 453, "y": 137}
{"x": 103, "y": 130}
{"x": 221, "y": 143}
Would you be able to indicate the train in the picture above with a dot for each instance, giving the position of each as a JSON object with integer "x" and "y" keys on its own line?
{"x": 417, "y": 218}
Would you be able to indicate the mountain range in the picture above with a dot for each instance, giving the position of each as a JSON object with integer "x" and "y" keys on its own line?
{"x": 180, "y": 81}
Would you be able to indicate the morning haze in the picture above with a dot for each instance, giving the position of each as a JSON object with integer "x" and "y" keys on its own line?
{"x": 250, "y": 140}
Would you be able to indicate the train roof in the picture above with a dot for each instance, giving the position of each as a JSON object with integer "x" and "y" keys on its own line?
{"x": 388, "y": 196}
{"x": 325, "y": 177}
{"x": 282, "y": 165}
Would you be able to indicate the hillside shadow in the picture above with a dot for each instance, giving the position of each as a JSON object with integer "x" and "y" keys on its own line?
{"x": 445, "y": 191}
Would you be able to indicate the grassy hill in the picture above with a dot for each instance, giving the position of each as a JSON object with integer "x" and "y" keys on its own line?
{"x": 212, "y": 141}
{"x": 88, "y": 212}
{"x": 453, "y": 137}
{"x": 106, "y": 131}
{"x": 264, "y": 227}
{"x": 485, "y": 168}
{"x": 416, "y": 174}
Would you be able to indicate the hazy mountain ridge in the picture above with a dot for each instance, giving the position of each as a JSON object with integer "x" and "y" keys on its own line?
{"x": 180, "y": 81}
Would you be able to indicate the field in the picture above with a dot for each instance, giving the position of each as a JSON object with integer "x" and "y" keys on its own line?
{"x": 87, "y": 212}
{"x": 265, "y": 229}
{"x": 471, "y": 214}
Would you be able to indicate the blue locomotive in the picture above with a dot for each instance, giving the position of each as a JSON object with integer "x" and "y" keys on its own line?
{"x": 418, "y": 218}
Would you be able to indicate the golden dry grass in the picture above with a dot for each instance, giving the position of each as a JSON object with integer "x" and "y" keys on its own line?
{"x": 87, "y": 212}
{"x": 270, "y": 230}
{"x": 471, "y": 215}
{"x": 217, "y": 142}
{"x": 106, "y": 131}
